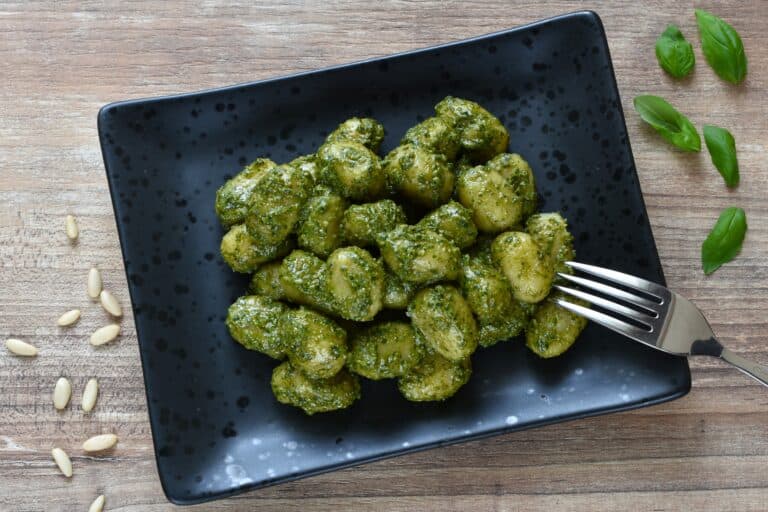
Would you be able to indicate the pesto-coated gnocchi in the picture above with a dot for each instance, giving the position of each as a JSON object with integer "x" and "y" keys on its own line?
{"x": 481, "y": 135}
{"x": 420, "y": 176}
{"x": 384, "y": 351}
{"x": 362, "y": 223}
{"x": 550, "y": 232}
{"x": 328, "y": 241}
{"x": 434, "y": 378}
{"x": 454, "y": 222}
{"x": 365, "y": 131}
{"x": 418, "y": 255}
{"x": 253, "y": 321}
{"x": 351, "y": 169}
{"x": 266, "y": 281}
{"x": 243, "y": 254}
{"x": 436, "y": 135}
{"x": 234, "y": 197}
{"x": 553, "y": 329}
{"x": 355, "y": 281}
{"x": 276, "y": 202}
{"x": 443, "y": 317}
{"x": 292, "y": 387}
{"x": 319, "y": 227}
{"x": 528, "y": 270}
{"x": 315, "y": 344}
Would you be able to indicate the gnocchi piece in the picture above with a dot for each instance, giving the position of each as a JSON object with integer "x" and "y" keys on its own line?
{"x": 434, "y": 378}
{"x": 319, "y": 227}
{"x": 315, "y": 344}
{"x": 351, "y": 170}
{"x": 486, "y": 289}
{"x": 276, "y": 203}
{"x": 243, "y": 254}
{"x": 553, "y": 329}
{"x": 384, "y": 351}
{"x": 423, "y": 177}
{"x": 397, "y": 293}
{"x": 365, "y": 131}
{"x": 481, "y": 135}
{"x": 362, "y": 223}
{"x": 514, "y": 322}
{"x": 303, "y": 277}
{"x": 253, "y": 322}
{"x": 307, "y": 164}
{"x": 419, "y": 256}
{"x": 495, "y": 205}
{"x": 233, "y": 198}
{"x": 355, "y": 283}
{"x": 550, "y": 232}
{"x": 453, "y": 221}
{"x": 442, "y": 316}
{"x": 291, "y": 387}
{"x": 516, "y": 171}
{"x": 266, "y": 281}
{"x": 528, "y": 270}
{"x": 436, "y": 135}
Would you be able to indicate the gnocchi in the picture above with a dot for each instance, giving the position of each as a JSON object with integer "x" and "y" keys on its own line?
{"x": 422, "y": 257}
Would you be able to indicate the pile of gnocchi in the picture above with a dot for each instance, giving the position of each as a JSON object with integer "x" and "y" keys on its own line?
{"x": 396, "y": 267}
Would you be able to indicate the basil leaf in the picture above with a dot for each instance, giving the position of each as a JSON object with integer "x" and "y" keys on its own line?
{"x": 724, "y": 241}
{"x": 722, "y": 149}
{"x": 674, "y": 53}
{"x": 671, "y": 124}
{"x": 722, "y": 47}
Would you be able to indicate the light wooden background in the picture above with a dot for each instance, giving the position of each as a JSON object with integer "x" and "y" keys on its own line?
{"x": 60, "y": 61}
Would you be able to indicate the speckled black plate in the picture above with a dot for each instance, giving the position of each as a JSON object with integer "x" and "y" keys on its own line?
{"x": 217, "y": 428}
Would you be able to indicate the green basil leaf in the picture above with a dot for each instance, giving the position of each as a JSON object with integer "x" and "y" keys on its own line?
{"x": 724, "y": 241}
{"x": 722, "y": 47}
{"x": 722, "y": 149}
{"x": 674, "y": 53}
{"x": 671, "y": 124}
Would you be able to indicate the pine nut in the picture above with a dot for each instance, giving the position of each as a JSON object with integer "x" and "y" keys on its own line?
{"x": 105, "y": 334}
{"x": 63, "y": 461}
{"x": 97, "y": 505}
{"x": 72, "y": 230}
{"x": 94, "y": 283}
{"x": 90, "y": 394}
{"x": 20, "y": 348}
{"x": 110, "y": 304}
{"x": 62, "y": 392}
{"x": 69, "y": 318}
{"x": 100, "y": 443}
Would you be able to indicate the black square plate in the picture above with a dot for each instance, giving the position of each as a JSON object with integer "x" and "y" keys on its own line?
{"x": 217, "y": 428}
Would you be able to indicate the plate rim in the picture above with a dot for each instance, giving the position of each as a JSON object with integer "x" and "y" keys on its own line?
{"x": 679, "y": 390}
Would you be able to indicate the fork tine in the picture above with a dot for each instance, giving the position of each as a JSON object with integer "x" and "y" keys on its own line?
{"x": 644, "y": 318}
{"x": 613, "y": 292}
{"x": 608, "y": 321}
{"x": 621, "y": 278}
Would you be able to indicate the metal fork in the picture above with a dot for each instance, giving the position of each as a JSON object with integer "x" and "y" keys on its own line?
{"x": 658, "y": 317}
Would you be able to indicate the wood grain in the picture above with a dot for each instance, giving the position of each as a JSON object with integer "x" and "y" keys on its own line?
{"x": 60, "y": 61}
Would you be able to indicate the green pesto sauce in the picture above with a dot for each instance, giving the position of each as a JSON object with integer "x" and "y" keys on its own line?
{"x": 384, "y": 351}
{"x": 434, "y": 378}
{"x": 453, "y": 221}
{"x": 253, "y": 322}
{"x": 419, "y": 256}
{"x": 233, "y": 198}
{"x": 292, "y": 387}
{"x": 362, "y": 223}
{"x": 351, "y": 170}
{"x": 365, "y": 131}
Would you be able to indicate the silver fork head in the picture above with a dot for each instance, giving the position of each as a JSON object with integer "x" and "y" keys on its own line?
{"x": 648, "y": 313}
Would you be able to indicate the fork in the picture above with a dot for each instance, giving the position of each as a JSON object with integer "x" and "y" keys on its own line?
{"x": 658, "y": 317}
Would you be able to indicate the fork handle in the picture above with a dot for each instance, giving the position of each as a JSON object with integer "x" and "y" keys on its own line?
{"x": 754, "y": 370}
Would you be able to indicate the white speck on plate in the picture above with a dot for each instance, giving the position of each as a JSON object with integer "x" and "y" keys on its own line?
{"x": 264, "y": 455}
{"x": 578, "y": 371}
{"x": 348, "y": 455}
{"x": 270, "y": 472}
{"x": 237, "y": 475}
{"x": 294, "y": 468}
{"x": 289, "y": 453}
{"x": 511, "y": 420}
{"x": 467, "y": 432}
{"x": 291, "y": 445}
{"x": 406, "y": 444}
{"x": 255, "y": 441}
{"x": 530, "y": 391}
{"x": 228, "y": 459}
{"x": 625, "y": 397}
{"x": 571, "y": 389}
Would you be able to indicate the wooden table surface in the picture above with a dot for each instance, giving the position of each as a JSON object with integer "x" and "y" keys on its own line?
{"x": 60, "y": 61}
